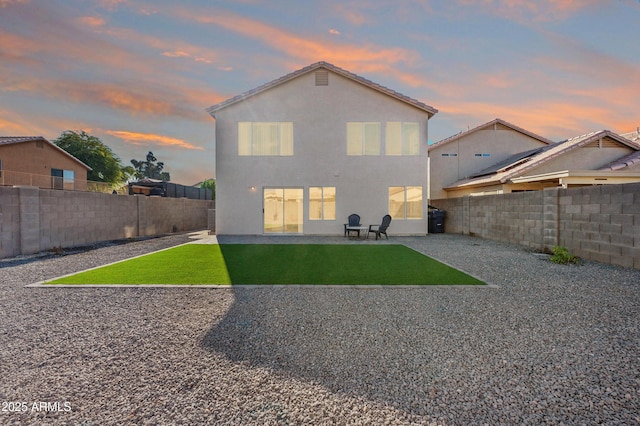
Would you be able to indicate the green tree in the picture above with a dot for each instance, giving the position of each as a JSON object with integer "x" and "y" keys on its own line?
{"x": 106, "y": 165}
{"x": 150, "y": 168}
{"x": 209, "y": 184}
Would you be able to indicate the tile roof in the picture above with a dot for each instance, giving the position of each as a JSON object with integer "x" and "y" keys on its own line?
{"x": 8, "y": 140}
{"x": 632, "y": 136}
{"x": 420, "y": 105}
{"x": 630, "y": 160}
{"x": 486, "y": 125}
{"x": 520, "y": 164}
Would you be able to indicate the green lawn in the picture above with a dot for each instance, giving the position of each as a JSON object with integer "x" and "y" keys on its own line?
{"x": 277, "y": 264}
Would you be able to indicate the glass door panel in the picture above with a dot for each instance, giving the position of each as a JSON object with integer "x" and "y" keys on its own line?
{"x": 273, "y": 210}
{"x": 283, "y": 210}
{"x": 293, "y": 210}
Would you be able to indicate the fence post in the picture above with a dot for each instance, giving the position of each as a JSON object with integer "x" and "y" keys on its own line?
{"x": 29, "y": 197}
{"x": 550, "y": 218}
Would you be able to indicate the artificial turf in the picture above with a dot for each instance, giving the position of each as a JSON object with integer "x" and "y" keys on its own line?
{"x": 229, "y": 264}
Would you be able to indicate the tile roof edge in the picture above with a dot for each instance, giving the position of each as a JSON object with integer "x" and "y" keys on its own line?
{"x": 487, "y": 124}
{"x": 323, "y": 64}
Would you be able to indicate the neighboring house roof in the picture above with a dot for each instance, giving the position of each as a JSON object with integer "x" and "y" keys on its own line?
{"x": 630, "y": 160}
{"x": 310, "y": 68}
{"x": 632, "y": 136}
{"x": 497, "y": 121}
{"x": 9, "y": 140}
{"x": 520, "y": 163}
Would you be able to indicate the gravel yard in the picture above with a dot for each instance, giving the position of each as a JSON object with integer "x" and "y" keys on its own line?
{"x": 551, "y": 344}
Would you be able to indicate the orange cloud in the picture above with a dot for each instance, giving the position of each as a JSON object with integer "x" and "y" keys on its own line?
{"x": 554, "y": 120}
{"x": 525, "y": 11}
{"x": 13, "y": 128}
{"x": 356, "y": 58}
{"x": 5, "y": 3}
{"x": 92, "y": 21}
{"x": 152, "y": 139}
{"x": 133, "y": 99}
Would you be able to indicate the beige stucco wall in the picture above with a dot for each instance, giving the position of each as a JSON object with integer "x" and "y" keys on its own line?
{"x": 38, "y": 159}
{"x": 319, "y": 115}
{"x": 581, "y": 159}
{"x": 500, "y": 142}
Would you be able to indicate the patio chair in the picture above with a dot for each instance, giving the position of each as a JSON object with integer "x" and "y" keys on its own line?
{"x": 381, "y": 229}
{"x": 354, "y": 220}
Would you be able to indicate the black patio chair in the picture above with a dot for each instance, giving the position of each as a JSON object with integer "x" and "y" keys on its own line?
{"x": 381, "y": 229}
{"x": 354, "y": 220}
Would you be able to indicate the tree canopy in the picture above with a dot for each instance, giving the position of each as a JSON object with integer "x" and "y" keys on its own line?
{"x": 150, "y": 168}
{"x": 209, "y": 184}
{"x": 106, "y": 166}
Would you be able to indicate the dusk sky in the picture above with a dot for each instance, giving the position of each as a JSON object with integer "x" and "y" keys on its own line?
{"x": 139, "y": 74}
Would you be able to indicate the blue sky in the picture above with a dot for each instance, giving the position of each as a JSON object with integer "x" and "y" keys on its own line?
{"x": 139, "y": 74}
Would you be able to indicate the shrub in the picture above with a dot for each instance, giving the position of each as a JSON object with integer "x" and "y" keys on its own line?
{"x": 561, "y": 255}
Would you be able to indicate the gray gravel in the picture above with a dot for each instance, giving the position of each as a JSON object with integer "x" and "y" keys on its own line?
{"x": 552, "y": 344}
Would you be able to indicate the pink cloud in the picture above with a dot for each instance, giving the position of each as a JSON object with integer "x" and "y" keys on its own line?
{"x": 357, "y": 58}
{"x": 5, "y": 3}
{"x": 554, "y": 120}
{"x": 526, "y": 11}
{"x": 91, "y": 21}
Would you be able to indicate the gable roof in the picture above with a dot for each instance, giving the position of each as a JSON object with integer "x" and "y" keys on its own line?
{"x": 10, "y": 140}
{"x": 518, "y": 164}
{"x": 492, "y": 123}
{"x": 310, "y": 68}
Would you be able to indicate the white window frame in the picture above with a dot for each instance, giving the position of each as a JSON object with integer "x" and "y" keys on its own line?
{"x": 250, "y": 131}
{"x": 360, "y": 142}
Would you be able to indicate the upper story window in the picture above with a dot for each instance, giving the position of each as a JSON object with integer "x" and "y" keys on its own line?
{"x": 483, "y": 155}
{"x": 402, "y": 138}
{"x": 363, "y": 138}
{"x": 265, "y": 138}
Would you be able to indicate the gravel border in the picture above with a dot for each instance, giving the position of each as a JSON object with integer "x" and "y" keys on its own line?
{"x": 553, "y": 344}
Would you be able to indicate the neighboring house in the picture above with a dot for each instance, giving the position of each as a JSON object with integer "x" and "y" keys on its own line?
{"x": 300, "y": 154}
{"x": 632, "y": 136}
{"x": 466, "y": 153}
{"x": 596, "y": 158}
{"x": 34, "y": 161}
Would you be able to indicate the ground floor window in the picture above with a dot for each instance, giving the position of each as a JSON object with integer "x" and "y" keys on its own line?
{"x": 63, "y": 179}
{"x": 322, "y": 203}
{"x": 405, "y": 202}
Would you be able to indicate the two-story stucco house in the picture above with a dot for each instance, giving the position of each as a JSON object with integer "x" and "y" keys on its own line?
{"x": 300, "y": 154}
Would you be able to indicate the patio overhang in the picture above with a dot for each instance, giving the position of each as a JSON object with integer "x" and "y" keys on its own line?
{"x": 567, "y": 178}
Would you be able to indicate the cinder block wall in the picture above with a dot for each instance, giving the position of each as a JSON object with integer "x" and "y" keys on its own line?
{"x": 600, "y": 223}
{"x": 33, "y": 219}
{"x": 9, "y": 221}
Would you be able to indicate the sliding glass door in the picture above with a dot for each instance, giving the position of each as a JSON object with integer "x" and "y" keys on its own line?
{"x": 283, "y": 210}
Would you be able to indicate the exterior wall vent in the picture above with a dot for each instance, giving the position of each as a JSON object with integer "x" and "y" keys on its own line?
{"x": 322, "y": 78}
